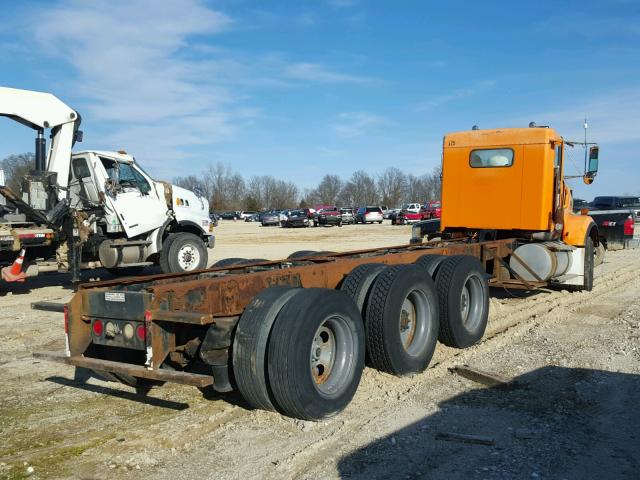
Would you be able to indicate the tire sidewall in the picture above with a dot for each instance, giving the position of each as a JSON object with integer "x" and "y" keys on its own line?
{"x": 178, "y": 242}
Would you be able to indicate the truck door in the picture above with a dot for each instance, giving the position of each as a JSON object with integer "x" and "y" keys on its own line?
{"x": 138, "y": 205}
{"x": 83, "y": 192}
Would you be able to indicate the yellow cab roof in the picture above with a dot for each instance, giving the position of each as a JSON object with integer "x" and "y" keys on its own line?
{"x": 501, "y": 136}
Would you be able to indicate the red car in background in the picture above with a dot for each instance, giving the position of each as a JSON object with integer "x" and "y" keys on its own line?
{"x": 431, "y": 209}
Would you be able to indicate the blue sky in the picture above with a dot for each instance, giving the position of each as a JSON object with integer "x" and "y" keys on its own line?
{"x": 298, "y": 89}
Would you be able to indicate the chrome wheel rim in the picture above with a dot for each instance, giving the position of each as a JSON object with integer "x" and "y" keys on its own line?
{"x": 188, "y": 257}
{"x": 472, "y": 302}
{"x": 331, "y": 356}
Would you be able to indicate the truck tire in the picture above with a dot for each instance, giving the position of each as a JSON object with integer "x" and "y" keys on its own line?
{"x": 301, "y": 253}
{"x": 463, "y": 293}
{"x": 402, "y": 320}
{"x": 358, "y": 283}
{"x": 187, "y": 253}
{"x": 431, "y": 263}
{"x": 315, "y": 365}
{"x": 599, "y": 253}
{"x": 250, "y": 345}
{"x": 589, "y": 260}
{"x": 163, "y": 256}
{"x": 227, "y": 262}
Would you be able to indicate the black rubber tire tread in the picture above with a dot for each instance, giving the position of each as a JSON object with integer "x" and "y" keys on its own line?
{"x": 288, "y": 356}
{"x": 431, "y": 263}
{"x": 250, "y": 346}
{"x": 301, "y": 253}
{"x": 163, "y": 255}
{"x": 599, "y": 252}
{"x": 384, "y": 353}
{"x": 198, "y": 243}
{"x": 452, "y": 332}
{"x": 589, "y": 260}
{"x": 253, "y": 260}
{"x": 359, "y": 281}
{"x": 227, "y": 262}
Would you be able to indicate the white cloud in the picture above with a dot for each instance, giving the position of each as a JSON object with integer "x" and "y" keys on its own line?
{"x": 458, "y": 94}
{"x": 315, "y": 72}
{"x": 612, "y": 117}
{"x": 356, "y": 124}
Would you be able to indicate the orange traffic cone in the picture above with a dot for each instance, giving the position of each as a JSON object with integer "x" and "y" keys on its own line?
{"x": 16, "y": 268}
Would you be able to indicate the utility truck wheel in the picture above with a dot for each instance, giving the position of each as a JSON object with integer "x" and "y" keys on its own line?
{"x": 431, "y": 263}
{"x": 358, "y": 283}
{"x": 589, "y": 260}
{"x": 227, "y": 262}
{"x": 315, "y": 365}
{"x": 250, "y": 345}
{"x": 187, "y": 252}
{"x": 599, "y": 252}
{"x": 402, "y": 320}
{"x": 163, "y": 256}
{"x": 463, "y": 292}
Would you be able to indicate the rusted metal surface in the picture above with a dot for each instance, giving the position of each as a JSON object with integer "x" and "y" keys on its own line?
{"x": 209, "y": 302}
{"x": 184, "y": 378}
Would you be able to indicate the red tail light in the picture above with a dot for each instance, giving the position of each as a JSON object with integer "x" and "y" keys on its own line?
{"x": 141, "y": 333}
{"x": 97, "y": 328}
{"x": 628, "y": 225}
{"x": 66, "y": 319}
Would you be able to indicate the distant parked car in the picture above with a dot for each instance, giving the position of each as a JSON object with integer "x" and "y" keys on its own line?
{"x": 255, "y": 217}
{"x": 579, "y": 204}
{"x": 369, "y": 215}
{"x": 297, "y": 218}
{"x": 244, "y": 214}
{"x": 229, "y": 215}
{"x": 384, "y": 209}
{"x": 328, "y": 216}
{"x": 347, "y": 216}
{"x": 391, "y": 214}
{"x": 271, "y": 218}
{"x": 411, "y": 207}
{"x": 405, "y": 217}
{"x": 431, "y": 209}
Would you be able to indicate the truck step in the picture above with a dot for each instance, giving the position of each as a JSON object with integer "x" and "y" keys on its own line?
{"x": 185, "y": 378}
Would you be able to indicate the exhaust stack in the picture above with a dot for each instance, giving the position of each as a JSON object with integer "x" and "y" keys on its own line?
{"x": 41, "y": 148}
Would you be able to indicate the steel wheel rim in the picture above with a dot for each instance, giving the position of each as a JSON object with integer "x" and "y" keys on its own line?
{"x": 414, "y": 322}
{"x": 188, "y": 257}
{"x": 331, "y": 356}
{"x": 472, "y": 302}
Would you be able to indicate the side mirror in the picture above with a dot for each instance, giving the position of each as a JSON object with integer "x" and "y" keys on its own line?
{"x": 592, "y": 167}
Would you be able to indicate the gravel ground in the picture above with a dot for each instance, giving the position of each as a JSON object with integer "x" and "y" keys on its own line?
{"x": 570, "y": 410}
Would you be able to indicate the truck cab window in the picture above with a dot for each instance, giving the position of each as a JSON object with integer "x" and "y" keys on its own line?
{"x": 490, "y": 158}
{"x": 125, "y": 175}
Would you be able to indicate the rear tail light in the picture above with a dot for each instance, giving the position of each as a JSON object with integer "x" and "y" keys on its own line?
{"x": 141, "y": 333}
{"x": 97, "y": 328}
{"x": 628, "y": 225}
{"x": 66, "y": 319}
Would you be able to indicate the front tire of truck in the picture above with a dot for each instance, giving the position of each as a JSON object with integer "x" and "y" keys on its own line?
{"x": 250, "y": 345}
{"x": 315, "y": 365}
{"x": 463, "y": 292}
{"x": 186, "y": 253}
{"x": 402, "y": 320}
{"x": 589, "y": 261}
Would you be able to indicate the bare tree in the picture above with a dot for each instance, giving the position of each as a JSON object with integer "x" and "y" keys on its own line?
{"x": 329, "y": 189}
{"x": 360, "y": 190}
{"x": 392, "y": 184}
{"x": 15, "y": 167}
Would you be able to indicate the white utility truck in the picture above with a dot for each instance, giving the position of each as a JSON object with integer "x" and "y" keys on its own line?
{"x": 101, "y": 208}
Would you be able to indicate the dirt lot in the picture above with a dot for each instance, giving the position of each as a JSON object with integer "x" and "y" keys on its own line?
{"x": 570, "y": 412}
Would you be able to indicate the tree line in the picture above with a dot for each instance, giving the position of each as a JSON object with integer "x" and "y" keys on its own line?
{"x": 228, "y": 190}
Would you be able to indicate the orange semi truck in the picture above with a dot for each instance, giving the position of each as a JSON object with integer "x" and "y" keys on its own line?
{"x": 291, "y": 335}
